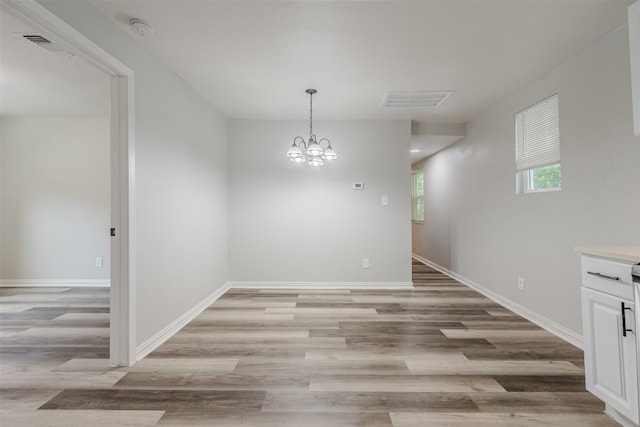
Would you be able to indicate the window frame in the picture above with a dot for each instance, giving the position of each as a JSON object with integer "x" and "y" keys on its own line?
{"x": 415, "y": 197}
{"x": 526, "y": 181}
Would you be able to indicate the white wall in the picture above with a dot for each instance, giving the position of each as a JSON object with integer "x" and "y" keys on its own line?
{"x": 475, "y": 224}
{"x": 54, "y": 189}
{"x": 293, "y": 223}
{"x": 181, "y": 179}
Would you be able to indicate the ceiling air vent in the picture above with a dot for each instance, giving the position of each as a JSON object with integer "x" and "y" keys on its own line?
{"x": 37, "y": 39}
{"x": 47, "y": 44}
{"x": 416, "y": 99}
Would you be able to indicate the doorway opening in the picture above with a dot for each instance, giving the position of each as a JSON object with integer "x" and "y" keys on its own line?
{"x": 120, "y": 231}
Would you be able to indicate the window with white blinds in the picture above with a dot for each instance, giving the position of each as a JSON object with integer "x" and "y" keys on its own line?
{"x": 538, "y": 147}
{"x": 538, "y": 135}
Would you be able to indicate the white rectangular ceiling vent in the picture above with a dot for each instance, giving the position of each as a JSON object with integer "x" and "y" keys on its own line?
{"x": 416, "y": 99}
{"x": 47, "y": 44}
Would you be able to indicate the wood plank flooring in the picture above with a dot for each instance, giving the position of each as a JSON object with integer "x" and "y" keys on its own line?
{"x": 438, "y": 355}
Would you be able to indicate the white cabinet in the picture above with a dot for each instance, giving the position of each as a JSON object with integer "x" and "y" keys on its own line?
{"x": 609, "y": 326}
{"x": 609, "y": 354}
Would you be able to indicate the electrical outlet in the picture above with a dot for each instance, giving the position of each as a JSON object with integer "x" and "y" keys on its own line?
{"x": 99, "y": 261}
{"x": 365, "y": 262}
{"x": 521, "y": 283}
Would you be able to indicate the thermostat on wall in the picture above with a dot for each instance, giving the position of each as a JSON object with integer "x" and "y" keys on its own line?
{"x": 358, "y": 186}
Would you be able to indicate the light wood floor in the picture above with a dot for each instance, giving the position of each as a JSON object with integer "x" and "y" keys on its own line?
{"x": 439, "y": 355}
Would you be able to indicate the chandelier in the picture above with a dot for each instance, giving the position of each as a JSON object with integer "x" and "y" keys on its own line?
{"x": 311, "y": 151}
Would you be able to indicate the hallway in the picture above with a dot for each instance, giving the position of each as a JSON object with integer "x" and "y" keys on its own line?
{"x": 438, "y": 355}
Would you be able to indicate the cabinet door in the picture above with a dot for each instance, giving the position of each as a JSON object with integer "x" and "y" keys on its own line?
{"x": 610, "y": 358}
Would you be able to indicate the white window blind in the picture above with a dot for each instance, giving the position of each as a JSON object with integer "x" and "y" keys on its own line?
{"x": 538, "y": 135}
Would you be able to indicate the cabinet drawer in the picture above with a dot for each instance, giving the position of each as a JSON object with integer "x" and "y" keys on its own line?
{"x": 607, "y": 276}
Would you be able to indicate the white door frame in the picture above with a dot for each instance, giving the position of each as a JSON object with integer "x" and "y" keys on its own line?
{"x": 634, "y": 52}
{"x": 122, "y": 318}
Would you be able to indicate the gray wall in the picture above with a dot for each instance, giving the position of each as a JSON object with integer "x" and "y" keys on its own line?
{"x": 180, "y": 179}
{"x": 294, "y": 223}
{"x": 477, "y": 226}
{"x": 54, "y": 207}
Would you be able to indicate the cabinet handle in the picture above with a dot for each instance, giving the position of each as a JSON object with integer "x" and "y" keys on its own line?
{"x": 604, "y": 276}
{"x": 624, "y": 320}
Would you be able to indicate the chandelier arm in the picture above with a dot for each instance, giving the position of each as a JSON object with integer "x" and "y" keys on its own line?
{"x": 303, "y": 143}
{"x": 325, "y": 139}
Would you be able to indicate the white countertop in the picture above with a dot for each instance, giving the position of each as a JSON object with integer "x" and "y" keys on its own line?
{"x": 622, "y": 253}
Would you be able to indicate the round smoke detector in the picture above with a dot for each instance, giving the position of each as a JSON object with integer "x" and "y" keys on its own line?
{"x": 142, "y": 27}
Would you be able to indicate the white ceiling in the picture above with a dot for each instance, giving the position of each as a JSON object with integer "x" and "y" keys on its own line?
{"x": 255, "y": 59}
{"x": 36, "y": 82}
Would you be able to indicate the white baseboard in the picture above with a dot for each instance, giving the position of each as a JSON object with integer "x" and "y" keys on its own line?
{"x": 323, "y": 285}
{"x": 618, "y": 417}
{"x": 158, "y": 339}
{"x": 545, "y": 323}
{"x": 55, "y": 283}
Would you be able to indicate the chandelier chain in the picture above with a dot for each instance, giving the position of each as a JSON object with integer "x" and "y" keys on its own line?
{"x": 310, "y": 116}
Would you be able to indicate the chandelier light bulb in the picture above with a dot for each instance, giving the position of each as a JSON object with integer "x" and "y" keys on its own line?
{"x": 316, "y": 161}
{"x": 294, "y": 152}
{"x": 329, "y": 152}
{"x": 314, "y": 149}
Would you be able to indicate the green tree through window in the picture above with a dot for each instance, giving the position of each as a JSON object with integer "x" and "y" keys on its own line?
{"x": 546, "y": 177}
